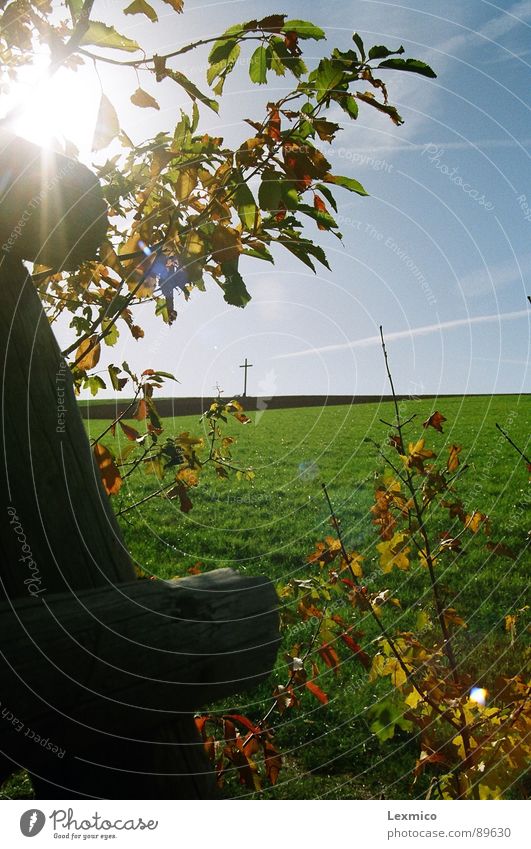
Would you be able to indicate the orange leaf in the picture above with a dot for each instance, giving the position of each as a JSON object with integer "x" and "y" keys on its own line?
{"x": 329, "y": 656}
{"x": 130, "y": 432}
{"x": 273, "y": 126}
{"x": 453, "y": 460}
{"x": 110, "y": 476}
{"x": 226, "y": 244}
{"x": 317, "y": 692}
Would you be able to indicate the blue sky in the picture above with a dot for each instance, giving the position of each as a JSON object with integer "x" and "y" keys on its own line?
{"x": 439, "y": 254}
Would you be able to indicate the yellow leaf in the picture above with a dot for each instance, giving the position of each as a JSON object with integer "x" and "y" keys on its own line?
{"x": 394, "y": 669}
{"x": 394, "y": 552}
{"x": 486, "y": 792}
{"x": 185, "y": 183}
{"x": 423, "y": 620}
{"x": 88, "y": 353}
{"x": 188, "y": 476}
{"x": 476, "y": 520}
{"x": 453, "y": 460}
{"x": 413, "y": 699}
{"x": 378, "y": 664}
{"x": 144, "y": 99}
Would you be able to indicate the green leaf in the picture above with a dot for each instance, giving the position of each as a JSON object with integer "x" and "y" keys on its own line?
{"x": 290, "y": 195}
{"x": 258, "y": 66}
{"x": 279, "y": 58}
{"x": 327, "y": 78}
{"x": 347, "y": 183}
{"x": 246, "y": 205}
{"x": 270, "y": 191}
{"x": 359, "y": 44}
{"x": 317, "y": 252}
{"x": 113, "y": 334}
{"x": 303, "y": 249}
{"x": 259, "y": 251}
{"x": 223, "y": 66}
{"x": 234, "y": 289}
{"x": 118, "y": 383}
{"x": 379, "y": 51}
{"x": 323, "y": 218}
{"x": 102, "y": 35}
{"x": 414, "y": 65}
{"x": 304, "y": 29}
{"x": 140, "y": 7}
{"x": 386, "y": 717}
{"x": 298, "y": 249}
{"x": 94, "y": 383}
{"x": 328, "y": 195}
{"x": 75, "y": 7}
{"x": 221, "y": 50}
{"x": 349, "y": 104}
{"x": 192, "y": 90}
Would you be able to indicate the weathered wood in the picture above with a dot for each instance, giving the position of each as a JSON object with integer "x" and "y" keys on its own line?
{"x": 155, "y": 646}
{"x": 51, "y": 207}
{"x": 57, "y": 528}
{"x": 118, "y": 662}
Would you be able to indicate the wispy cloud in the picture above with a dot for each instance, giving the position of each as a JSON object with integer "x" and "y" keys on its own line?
{"x": 492, "y": 278}
{"x": 412, "y": 147}
{"x": 425, "y": 330}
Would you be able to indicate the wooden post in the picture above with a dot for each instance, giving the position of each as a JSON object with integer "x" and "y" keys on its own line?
{"x": 58, "y": 533}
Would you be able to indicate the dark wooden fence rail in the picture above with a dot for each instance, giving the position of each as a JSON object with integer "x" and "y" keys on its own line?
{"x": 100, "y": 673}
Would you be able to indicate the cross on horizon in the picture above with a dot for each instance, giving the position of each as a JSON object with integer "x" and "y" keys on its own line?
{"x": 245, "y": 366}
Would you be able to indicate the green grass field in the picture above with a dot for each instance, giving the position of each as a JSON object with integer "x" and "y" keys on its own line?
{"x": 269, "y": 525}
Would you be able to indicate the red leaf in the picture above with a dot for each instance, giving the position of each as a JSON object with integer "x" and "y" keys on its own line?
{"x": 238, "y": 717}
{"x": 272, "y": 761}
{"x": 317, "y": 692}
{"x": 141, "y": 411}
{"x": 330, "y": 656}
{"x": 362, "y": 656}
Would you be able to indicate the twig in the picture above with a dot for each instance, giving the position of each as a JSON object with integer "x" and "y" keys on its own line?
{"x": 515, "y": 446}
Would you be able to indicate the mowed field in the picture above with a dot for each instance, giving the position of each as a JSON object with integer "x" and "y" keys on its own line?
{"x": 270, "y": 524}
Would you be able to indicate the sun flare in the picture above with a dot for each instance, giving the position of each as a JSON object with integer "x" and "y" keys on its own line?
{"x": 55, "y": 110}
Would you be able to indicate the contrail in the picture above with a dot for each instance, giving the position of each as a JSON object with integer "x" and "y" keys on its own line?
{"x": 425, "y": 330}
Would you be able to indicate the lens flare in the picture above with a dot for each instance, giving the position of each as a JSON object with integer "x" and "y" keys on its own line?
{"x": 478, "y": 695}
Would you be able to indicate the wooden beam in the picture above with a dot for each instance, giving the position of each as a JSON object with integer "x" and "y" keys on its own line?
{"x": 114, "y": 664}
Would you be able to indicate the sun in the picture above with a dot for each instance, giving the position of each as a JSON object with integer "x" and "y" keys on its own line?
{"x": 54, "y": 110}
